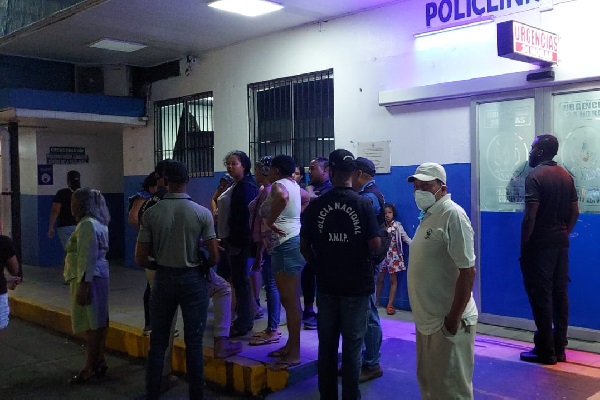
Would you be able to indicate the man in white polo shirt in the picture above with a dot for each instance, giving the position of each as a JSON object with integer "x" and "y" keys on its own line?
{"x": 440, "y": 280}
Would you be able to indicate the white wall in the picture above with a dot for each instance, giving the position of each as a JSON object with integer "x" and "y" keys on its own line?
{"x": 138, "y": 150}
{"x": 371, "y": 52}
{"x": 28, "y": 160}
{"x": 104, "y": 170}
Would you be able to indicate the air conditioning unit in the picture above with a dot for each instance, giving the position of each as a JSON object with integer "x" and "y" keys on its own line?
{"x": 111, "y": 80}
{"x": 117, "y": 80}
{"x": 89, "y": 79}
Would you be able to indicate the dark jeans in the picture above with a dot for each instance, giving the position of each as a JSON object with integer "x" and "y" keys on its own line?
{"x": 241, "y": 284}
{"x": 373, "y": 336}
{"x": 186, "y": 288}
{"x": 346, "y": 316}
{"x": 147, "y": 305}
{"x": 308, "y": 283}
{"x": 223, "y": 268}
{"x": 546, "y": 279}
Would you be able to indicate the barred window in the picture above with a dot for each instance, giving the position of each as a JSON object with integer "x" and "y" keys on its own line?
{"x": 292, "y": 116}
{"x": 183, "y": 131}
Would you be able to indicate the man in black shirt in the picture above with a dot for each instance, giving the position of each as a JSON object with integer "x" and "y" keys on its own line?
{"x": 551, "y": 211}
{"x": 363, "y": 182}
{"x": 338, "y": 234}
{"x": 61, "y": 210}
{"x": 318, "y": 171}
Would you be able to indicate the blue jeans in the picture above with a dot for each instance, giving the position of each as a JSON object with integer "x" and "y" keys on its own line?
{"x": 346, "y": 316}
{"x": 64, "y": 233}
{"x": 273, "y": 303}
{"x": 372, "y": 342}
{"x": 186, "y": 288}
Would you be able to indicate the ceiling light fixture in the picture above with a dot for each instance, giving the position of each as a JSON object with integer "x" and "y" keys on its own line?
{"x": 249, "y": 8}
{"x": 454, "y": 26}
{"x": 117, "y": 45}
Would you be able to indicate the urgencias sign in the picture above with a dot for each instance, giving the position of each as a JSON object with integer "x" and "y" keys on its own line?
{"x": 522, "y": 42}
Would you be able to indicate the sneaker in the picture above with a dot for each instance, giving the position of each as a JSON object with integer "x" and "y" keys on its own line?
{"x": 310, "y": 323}
{"x": 147, "y": 330}
{"x": 225, "y": 348}
{"x": 367, "y": 374}
{"x": 168, "y": 383}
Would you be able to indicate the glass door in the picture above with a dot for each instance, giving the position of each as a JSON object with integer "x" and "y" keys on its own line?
{"x": 576, "y": 122}
{"x": 505, "y": 130}
{"x": 505, "y": 127}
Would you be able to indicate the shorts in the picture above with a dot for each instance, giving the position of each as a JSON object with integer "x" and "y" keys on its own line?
{"x": 92, "y": 316}
{"x": 286, "y": 258}
{"x": 4, "y": 310}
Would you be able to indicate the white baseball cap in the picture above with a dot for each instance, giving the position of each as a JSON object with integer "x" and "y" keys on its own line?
{"x": 428, "y": 172}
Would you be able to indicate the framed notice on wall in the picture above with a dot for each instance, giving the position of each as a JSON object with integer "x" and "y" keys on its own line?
{"x": 378, "y": 152}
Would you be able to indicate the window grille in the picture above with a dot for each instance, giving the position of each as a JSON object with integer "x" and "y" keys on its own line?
{"x": 292, "y": 116}
{"x": 183, "y": 131}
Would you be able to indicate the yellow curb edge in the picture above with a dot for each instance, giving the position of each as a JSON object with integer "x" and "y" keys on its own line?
{"x": 240, "y": 374}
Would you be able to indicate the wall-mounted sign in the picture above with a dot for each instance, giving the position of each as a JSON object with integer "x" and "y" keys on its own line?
{"x": 67, "y": 155}
{"x": 441, "y": 12}
{"x": 522, "y": 42}
{"x": 45, "y": 174}
{"x": 379, "y": 153}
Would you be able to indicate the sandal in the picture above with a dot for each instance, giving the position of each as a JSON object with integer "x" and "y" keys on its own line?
{"x": 283, "y": 365}
{"x": 278, "y": 353}
{"x": 266, "y": 333}
{"x": 391, "y": 310}
{"x": 261, "y": 341}
{"x": 83, "y": 376}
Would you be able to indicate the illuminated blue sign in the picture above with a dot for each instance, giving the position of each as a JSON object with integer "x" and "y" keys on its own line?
{"x": 438, "y": 13}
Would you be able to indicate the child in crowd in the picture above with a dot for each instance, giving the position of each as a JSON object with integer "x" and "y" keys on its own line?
{"x": 394, "y": 261}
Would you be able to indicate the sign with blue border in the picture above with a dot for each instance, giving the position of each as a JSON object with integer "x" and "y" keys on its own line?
{"x": 45, "y": 174}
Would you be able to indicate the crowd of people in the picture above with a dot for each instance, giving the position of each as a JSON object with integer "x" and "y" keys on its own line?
{"x": 333, "y": 239}
{"x": 317, "y": 242}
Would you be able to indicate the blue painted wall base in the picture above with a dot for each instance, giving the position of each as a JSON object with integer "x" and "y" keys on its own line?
{"x": 502, "y": 290}
{"x": 39, "y": 250}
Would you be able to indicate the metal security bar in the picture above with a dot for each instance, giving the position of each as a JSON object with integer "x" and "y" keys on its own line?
{"x": 292, "y": 116}
{"x": 183, "y": 131}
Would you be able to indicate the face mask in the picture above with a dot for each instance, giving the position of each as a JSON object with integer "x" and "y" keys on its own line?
{"x": 425, "y": 199}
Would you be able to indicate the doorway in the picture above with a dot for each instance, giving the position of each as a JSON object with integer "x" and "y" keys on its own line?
{"x": 505, "y": 127}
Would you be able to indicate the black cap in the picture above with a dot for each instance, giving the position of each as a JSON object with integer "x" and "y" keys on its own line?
{"x": 176, "y": 172}
{"x": 160, "y": 167}
{"x": 342, "y": 160}
{"x": 365, "y": 165}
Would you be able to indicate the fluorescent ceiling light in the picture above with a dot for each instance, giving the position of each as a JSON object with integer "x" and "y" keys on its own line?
{"x": 249, "y": 8}
{"x": 117, "y": 45}
{"x": 455, "y": 26}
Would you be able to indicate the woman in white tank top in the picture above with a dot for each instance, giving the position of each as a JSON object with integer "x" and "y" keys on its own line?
{"x": 281, "y": 212}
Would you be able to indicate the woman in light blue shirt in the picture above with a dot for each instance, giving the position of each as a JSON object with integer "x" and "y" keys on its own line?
{"x": 86, "y": 270}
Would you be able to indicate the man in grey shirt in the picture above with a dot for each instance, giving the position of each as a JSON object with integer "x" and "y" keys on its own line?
{"x": 172, "y": 229}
